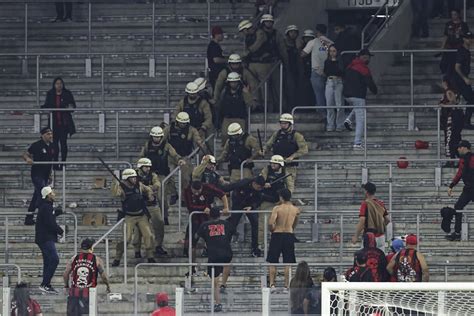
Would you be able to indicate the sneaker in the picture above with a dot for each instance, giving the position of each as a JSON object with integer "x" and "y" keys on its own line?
{"x": 348, "y": 125}
{"x": 138, "y": 255}
{"x": 151, "y": 260}
{"x": 223, "y": 289}
{"x": 454, "y": 237}
{"x": 330, "y": 130}
{"x": 256, "y": 253}
{"x": 159, "y": 251}
{"x": 115, "y": 263}
{"x": 358, "y": 147}
{"x": 217, "y": 308}
{"x": 29, "y": 220}
{"x": 48, "y": 289}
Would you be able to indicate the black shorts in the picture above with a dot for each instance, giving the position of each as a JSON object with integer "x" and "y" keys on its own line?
{"x": 282, "y": 243}
{"x": 77, "y": 306}
{"x": 217, "y": 269}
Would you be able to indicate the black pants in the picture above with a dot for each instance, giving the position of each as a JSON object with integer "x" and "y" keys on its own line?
{"x": 468, "y": 95}
{"x": 421, "y": 13}
{"x": 77, "y": 306}
{"x": 60, "y": 139}
{"x": 466, "y": 196}
{"x": 253, "y": 218}
{"x": 63, "y": 10}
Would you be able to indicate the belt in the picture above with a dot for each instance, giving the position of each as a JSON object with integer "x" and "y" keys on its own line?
{"x": 334, "y": 77}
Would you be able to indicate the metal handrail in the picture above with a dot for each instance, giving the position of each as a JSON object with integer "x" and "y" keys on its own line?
{"x": 383, "y": 6}
{"x": 15, "y": 266}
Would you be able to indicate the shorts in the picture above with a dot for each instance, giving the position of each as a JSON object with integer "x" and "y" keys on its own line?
{"x": 217, "y": 269}
{"x": 77, "y": 306}
{"x": 282, "y": 243}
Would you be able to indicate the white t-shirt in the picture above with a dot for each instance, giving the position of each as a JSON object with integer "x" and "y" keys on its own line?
{"x": 318, "y": 48}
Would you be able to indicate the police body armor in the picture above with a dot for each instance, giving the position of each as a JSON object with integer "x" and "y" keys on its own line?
{"x": 238, "y": 152}
{"x": 267, "y": 53}
{"x": 84, "y": 274}
{"x": 233, "y": 105}
{"x": 210, "y": 177}
{"x": 159, "y": 158}
{"x": 277, "y": 186}
{"x": 467, "y": 172}
{"x": 179, "y": 140}
{"x": 147, "y": 179}
{"x": 285, "y": 145}
{"x": 133, "y": 204}
{"x": 195, "y": 116}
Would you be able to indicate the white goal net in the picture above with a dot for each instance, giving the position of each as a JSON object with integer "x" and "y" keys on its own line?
{"x": 384, "y": 299}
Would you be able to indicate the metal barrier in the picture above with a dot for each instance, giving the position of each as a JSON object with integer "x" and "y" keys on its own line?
{"x": 6, "y": 224}
{"x": 384, "y": 6}
{"x": 14, "y": 266}
{"x": 105, "y": 237}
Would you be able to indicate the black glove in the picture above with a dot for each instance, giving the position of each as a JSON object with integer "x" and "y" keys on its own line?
{"x": 58, "y": 211}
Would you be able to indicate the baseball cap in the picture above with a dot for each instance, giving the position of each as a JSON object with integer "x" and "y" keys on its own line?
{"x": 397, "y": 245}
{"x": 370, "y": 187}
{"x": 365, "y": 51}
{"x": 464, "y": 143}
{"x": 411, "y": 239}
{"x": 87, "y": 243}
{"x": 161, "y": 297}
{"x": 45, "y": 130}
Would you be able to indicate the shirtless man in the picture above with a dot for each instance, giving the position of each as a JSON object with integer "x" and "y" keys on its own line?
{"x": 282, "y": 223}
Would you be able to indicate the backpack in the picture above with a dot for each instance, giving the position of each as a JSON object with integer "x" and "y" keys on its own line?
{"x": 406, "y": 266}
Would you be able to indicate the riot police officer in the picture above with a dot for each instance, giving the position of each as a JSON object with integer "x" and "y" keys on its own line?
{"x": 183, "y": 137}
{"x": 234, "y": 103}
{"x": 289, "y": 144}
{"x": 206, "y": 173}
{"x": 132, "y": 192}
{"x": 162, "y": 155}
{"x": 238, "y": 148}
{"x": 151, "y": 180}
{"x": 198, "y": 109}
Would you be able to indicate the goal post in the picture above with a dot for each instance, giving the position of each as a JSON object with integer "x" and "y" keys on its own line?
{"x": 390, "y": 298}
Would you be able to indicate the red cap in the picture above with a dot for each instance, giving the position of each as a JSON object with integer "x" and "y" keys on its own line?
{"x": 161, "y": 297}
{"x": 411, "y": 239}
{"x": 216, "y": 30}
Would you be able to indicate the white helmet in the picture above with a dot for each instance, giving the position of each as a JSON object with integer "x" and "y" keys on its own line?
{"x": 233, "y": 76}
{"x": 234, "y": 129}
{"x": 291, "y": 28}
{"x": 278, "y": 159}
{"x": 212, "y": 159}
{"x": 266, "y": 17}
{"x": 287, "y": 117}
{"x": 143, "y": 162}
{"x": 191, "y": 88}
{"x": 201, "y": 83}
{"x": 234, "y": 59}
{"x": 128, "y": 173}
{"x": 46, "y": 191}
{"x": 309, "y": 33}
{"x": 156, "y": 132}
{"x": 183, "y": 117}
{"x": 244, "y": 25}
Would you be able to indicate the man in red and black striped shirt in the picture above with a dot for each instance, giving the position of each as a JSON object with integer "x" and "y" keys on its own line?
{"x": 82, "y": 272}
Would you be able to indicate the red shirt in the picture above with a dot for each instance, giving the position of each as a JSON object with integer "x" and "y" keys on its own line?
{"x": 392, "y": 278}
{"x": 363, "y": 211}
{"x": 458, "y": 175}
{"x": 33, "y": 308}
{"x": 164, "y": 311}
{"x": 200, "y": 202}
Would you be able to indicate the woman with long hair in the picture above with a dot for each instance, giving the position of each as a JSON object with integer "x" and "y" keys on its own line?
{"x": 299, "y": 287}
{"x": 23, "y": 304}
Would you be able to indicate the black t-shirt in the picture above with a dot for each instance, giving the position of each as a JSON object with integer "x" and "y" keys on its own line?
{"x": 454, "y": 31}
{"x": 463, "y": 57}
{"x": 359, "y": 274}
{"x": 41, "y": 152}
{"x": 217, "y": 234}
{"x": 214, "y": 50}
{"x": 333, "y": 68}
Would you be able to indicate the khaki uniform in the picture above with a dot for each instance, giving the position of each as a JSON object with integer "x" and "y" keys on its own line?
{"x": 226, "y": 121}
{"x": 247, "y": 77}
{"x": 268, "y": 206}
{"x": 252, "y": 144}
{"x": 157, "y": 223}
{"x": 135, "y": 222}
{"x": 204, "y": 108}
{"x": 302, "y": 150}
{"x": 262, "y": 64}
{"x": 173, "y": 158}
{"x": 186, "y": 170}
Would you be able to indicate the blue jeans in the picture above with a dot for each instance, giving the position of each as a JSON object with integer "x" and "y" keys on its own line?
{"x": 334, "y": 98}
{"x": 359, "y": 111}
{"x": 50, "y": 260}
{"x": 319, "y": 86}
{"x": 38, "y": 183}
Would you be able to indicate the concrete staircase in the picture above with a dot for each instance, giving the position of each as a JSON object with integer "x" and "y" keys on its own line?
{"x": 119, "y": 28}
